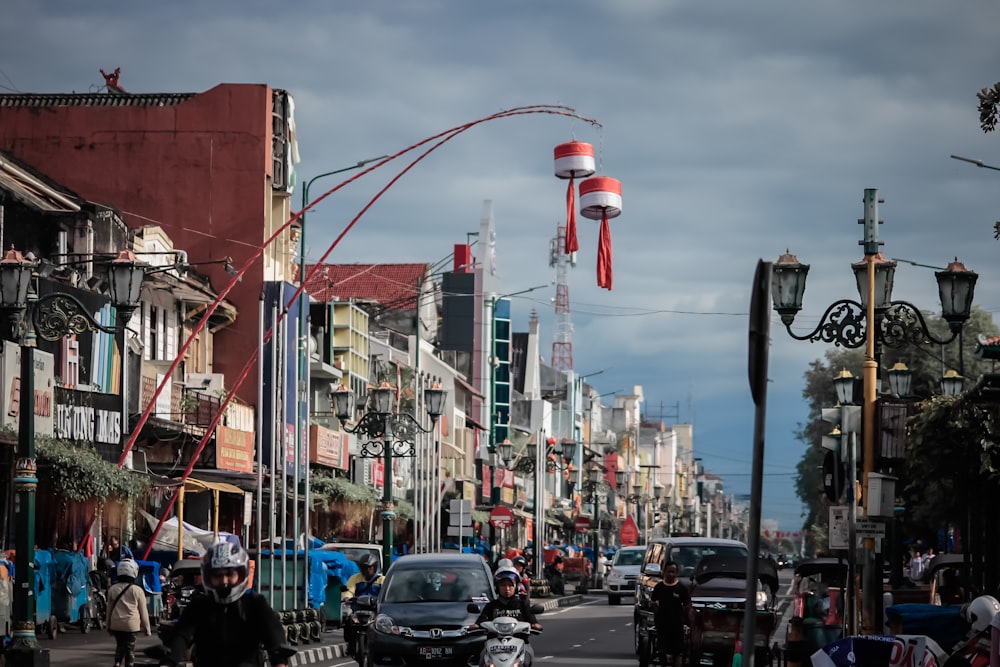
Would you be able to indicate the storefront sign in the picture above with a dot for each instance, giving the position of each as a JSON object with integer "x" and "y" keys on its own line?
{"x": 328, "y": 448}
{"x": 87, "y": 416}
{"x": 234, "y": 449}
{"x": 11, "y": 388}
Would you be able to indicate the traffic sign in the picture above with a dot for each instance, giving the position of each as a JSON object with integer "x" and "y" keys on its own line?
{"x": 629, "y": 532}
{"x": 501, "y": 517}
{"x": 868, "y": 528}
{"x": 582, "y": 524}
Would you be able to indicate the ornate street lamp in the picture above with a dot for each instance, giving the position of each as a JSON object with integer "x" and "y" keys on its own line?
{"x": 876, "y": 318}
{"x": 385, "y": 433}
{"x": 952, "y": 383}
{"x": 52, "y": 317}
{"x": 900, "y": 379}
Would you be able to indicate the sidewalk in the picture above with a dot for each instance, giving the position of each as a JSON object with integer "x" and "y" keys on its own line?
{"x": 72, "y": 648}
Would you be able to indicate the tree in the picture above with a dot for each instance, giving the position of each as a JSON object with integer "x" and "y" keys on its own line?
{"x": 922, "y": 469}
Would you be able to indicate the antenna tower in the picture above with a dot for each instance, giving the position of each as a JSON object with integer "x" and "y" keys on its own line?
{"x": 562, "y": 339}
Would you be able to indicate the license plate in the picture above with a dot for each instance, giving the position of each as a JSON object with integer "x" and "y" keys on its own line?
{"x": 432, "y": 652}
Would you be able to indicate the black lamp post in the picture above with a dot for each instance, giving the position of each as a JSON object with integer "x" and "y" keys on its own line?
{"x": 50, "y": 317}
{"x": 386, "y": 433}
{"x": 876, "y": 320}
{"x": 595, "y": 492}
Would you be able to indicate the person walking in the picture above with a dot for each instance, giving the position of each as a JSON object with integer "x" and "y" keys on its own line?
{"x": 671, "y": 603}
{"x": 229, "y": 627}
{"x": 127, "y": 614}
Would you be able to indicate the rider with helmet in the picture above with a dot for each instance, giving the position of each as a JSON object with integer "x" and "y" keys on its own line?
{"x": 508, "y": 603}
{"x": 127, "y": 613}
{"x": 220, "y": 623}
{"x": 367, "y": 581}
{"x": 524, "y": 583}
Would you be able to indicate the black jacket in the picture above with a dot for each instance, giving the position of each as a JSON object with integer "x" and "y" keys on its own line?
{"x": 223, "y": 634}
{"x": 514, "y": 606}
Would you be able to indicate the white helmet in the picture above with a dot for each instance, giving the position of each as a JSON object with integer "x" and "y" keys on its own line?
{"x": 980, "y": 612}
{"x": 128, "y": 568}
{"x": 226, "y": 556}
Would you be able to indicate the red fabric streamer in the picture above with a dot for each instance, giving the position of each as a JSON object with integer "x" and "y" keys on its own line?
{"x": 604, "y": 273}
{"x": 572, "y": 244}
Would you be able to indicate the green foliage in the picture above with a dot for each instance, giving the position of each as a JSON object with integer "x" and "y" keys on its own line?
{"x": 949, "y": 442}
{"x": 79, "y": 473}
{"x": 329, "y": 487}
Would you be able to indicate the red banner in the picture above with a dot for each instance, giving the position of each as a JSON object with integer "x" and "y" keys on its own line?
{"x": 328, "y": 448}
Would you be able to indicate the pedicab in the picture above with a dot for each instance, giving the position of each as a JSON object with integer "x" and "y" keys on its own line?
{"x": 817, "y": 599}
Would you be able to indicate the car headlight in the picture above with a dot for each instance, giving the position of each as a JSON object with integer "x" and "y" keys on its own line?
{"x": 386, "y": 625}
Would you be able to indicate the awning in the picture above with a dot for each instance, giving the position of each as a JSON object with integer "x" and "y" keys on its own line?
{"x": 472, "y": 422}
{"x": 468, "y": 387}
{"x": 193, "y": 485}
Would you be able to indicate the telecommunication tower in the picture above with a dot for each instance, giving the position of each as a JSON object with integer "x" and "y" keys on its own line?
{"x": 562, "y": 339}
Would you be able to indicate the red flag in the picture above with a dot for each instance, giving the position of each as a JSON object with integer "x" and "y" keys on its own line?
{"x": 572, "y": 244}
{"x": 604, "y": 272}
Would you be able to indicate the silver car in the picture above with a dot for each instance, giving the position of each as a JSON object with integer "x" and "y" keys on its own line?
{"x": 624, "y": 573}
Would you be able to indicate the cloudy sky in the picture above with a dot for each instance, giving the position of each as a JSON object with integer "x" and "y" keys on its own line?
{"x": 737, "y": 130}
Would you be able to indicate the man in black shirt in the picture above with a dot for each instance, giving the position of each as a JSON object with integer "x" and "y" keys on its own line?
{"x": 671, "y": 603}
{"x": 508, "y": 603}
{"x": 230, "y": 626}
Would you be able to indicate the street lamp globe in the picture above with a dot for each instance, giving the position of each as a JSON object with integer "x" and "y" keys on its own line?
{"x": 381, "y": 398}
{"x": 532, "y": 450}
{"x": 568, "y": 450}
{"x": 952, "y": 383}
{"x": 900, "y": 379}
{"x": 434, "y": 399}
{"x": 956, "y": 285}
{"x": 844, "y": 384}
{"x": 343, "y": 400}
{"x": 885, "y": 271}
{"x": 788, "y": 286}
{"x": 506, "y": 449}
{"x": 621, "y": 477}
{"x": 15, "y": 275}
{"x": 125, "y": 274}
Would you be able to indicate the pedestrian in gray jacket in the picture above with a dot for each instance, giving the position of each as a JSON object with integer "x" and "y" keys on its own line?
{"x": 127, "y": 613}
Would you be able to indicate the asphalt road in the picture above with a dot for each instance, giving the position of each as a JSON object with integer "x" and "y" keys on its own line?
{"x": 591, "y": 632}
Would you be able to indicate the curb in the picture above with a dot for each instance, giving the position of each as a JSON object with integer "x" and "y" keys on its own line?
{"x": 318, "y": 654}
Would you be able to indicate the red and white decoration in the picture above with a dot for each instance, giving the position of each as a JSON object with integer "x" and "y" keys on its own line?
{"x": 601, "y": 199}
{"x": 573, "y": 159}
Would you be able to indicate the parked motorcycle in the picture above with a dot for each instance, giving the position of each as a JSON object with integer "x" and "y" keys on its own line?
{"x": 99, "y": 584}
{"x": 506, "y": 643}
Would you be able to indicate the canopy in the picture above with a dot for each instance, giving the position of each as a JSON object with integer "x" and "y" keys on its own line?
{"x": 193, "y": 485}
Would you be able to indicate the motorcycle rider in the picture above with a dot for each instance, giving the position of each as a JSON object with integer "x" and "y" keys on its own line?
{"x": 524, "y": 581}
{"x": 508, "y": 603}
{"x": 220, "y": 623}
{"x": 367, "y": 581}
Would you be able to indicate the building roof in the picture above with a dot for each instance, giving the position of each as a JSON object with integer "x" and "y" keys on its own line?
{"x": 34, "y": 100}
{"x": 394, "y": 286}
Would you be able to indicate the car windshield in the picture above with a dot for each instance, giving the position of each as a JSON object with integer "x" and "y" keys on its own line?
{"x": 687, "y": 556}
{"x": 629, "y": 557}
{"x": 453, "y": 584}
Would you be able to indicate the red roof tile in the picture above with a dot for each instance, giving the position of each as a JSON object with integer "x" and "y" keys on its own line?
{"x": 394, "y": 286}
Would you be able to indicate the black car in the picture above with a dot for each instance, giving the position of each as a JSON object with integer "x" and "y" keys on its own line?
{"x": 426, "y": 603}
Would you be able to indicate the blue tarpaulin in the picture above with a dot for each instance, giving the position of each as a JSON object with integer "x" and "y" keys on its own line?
{"x": 942, "y": 624}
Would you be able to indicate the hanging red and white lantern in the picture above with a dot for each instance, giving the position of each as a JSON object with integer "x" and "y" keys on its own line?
{"x": 573, "y": 159}
{"x": 601, "y": 199}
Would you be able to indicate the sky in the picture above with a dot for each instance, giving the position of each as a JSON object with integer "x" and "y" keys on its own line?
{"x": 738, "y": 130}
